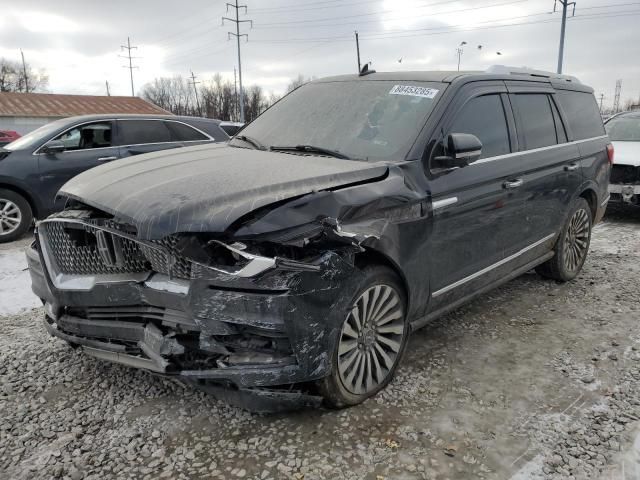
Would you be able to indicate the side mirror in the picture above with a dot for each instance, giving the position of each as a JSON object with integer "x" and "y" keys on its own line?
{"x": 462, "y": 150}
{"x": 53, "y": 147}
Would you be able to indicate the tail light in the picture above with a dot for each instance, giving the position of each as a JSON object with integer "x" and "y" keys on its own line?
{"x": 610, "y": 153}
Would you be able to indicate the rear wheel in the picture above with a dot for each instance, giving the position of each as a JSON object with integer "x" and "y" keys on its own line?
{"x": 15, "y": 216}
{"x": 572, "y": 246}
{"x": 371, "y": 342}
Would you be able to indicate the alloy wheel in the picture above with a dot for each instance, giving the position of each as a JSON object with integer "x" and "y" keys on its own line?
{"x": 10, "y": 216}
{"x": 371, "y": 339}
{"x": 576, "y": 240}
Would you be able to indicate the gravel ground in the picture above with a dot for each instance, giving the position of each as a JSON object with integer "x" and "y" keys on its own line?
{"x": 534, "y": 380}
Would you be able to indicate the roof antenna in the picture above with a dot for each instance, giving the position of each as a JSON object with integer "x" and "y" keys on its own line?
{"x": 365, "y": 70}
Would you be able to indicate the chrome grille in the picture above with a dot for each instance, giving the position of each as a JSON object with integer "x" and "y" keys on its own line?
{"x": 74, "y": 247}
{"x": 75, "y": 250}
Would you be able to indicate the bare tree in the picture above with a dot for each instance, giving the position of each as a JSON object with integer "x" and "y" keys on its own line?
{"x": 217, "y": 98}
{"x": 298, "y": 82}
{"x": 13, "y": 78}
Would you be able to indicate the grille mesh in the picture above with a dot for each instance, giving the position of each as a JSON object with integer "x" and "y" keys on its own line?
{"x": 75, "y": 250}
{"x": 80, "y": 255}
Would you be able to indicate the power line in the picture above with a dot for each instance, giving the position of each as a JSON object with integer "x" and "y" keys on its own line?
{"x": 382, "y": 12}
{"x": 447, "y": 29}
{"x": 128, "y": 48}
{"x": 237, "y": 34}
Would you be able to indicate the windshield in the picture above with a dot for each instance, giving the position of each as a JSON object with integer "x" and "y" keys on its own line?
{"x": 34, "y": 138}
{"x": 361, "y": 119}
{"x": 624, "y": 128}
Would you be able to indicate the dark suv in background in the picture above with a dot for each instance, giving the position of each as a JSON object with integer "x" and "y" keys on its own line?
{"x": 294, "y": 262}
{"x": 34, "y": 167}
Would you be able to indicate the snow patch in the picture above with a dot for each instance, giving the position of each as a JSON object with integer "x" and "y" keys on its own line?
{"x": 15, "y": 283}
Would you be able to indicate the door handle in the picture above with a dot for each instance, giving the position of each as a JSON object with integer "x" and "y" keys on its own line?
{"x": 571, "y": 167}
{"x": 509, "y": 184}
{"x": 107, "y": 159}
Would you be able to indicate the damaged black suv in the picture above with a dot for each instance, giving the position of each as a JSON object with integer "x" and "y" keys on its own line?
{"x": 292, "y": 263}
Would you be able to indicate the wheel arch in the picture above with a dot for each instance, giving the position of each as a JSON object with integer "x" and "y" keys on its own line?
{"x": 590, "y": 195}
{"x": 371, "y": 256}
{"x": 35, "y": 210}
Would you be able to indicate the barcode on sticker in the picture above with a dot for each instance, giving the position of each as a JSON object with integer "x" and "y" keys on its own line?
{"x": 413, "y": 91}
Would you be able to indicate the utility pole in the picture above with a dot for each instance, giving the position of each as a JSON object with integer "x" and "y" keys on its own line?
{"x": 195, "y": 91}
{"x": 235, "y": 86}
{"x": 358, "y": 50}
{"x": 106, "y": 83}
{"x": 128, "y": 47}
{"x": 616, "y": 98}
{"x": 601, "y": 98}
{"x": 237, "y": 34}
{"x": 565, "y": 4}
{"x": 459, "y": 52}
{"x": 24, "y": 71}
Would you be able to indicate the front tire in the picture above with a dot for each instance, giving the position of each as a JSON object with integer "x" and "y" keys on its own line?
{"x": 572, "y": 246}
{"x": 371, "y": 341}
{"x": 15, "y": 216}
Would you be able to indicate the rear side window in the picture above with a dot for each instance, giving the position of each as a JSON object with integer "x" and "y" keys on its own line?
{"x": 535, "y": 120}
{"x": 184, "y": 133}
{"x": 484, "y": 117}
{"x": 582, "y": 112}
{"x": 135, "y": 132}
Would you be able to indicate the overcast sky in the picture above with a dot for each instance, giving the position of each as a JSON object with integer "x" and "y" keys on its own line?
{"x": 78, "y": 41}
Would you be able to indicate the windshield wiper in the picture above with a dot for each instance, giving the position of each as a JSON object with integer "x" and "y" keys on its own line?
{"x": 251, "y": 141}
{"x": 310, "y": 149}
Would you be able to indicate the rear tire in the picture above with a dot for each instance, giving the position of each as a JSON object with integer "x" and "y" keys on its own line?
{"x": 572, "y": 246}
{"x": 372, "y": 339}
{"x": 15, "y": 215}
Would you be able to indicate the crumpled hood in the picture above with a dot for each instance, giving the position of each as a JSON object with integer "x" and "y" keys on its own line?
{"x": 206, "y": 188}
{"x": 627, "y": 153}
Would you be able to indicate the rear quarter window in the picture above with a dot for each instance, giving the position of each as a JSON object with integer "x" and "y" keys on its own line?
{"x": 582, "y": 112}
{"x": 184, "y": 133}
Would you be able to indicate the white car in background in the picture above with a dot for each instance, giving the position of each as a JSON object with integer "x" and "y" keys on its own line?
{"x": 624, "y": 133}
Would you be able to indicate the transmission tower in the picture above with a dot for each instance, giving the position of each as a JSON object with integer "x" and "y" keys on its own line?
{"x": 128, "y": 48}
{"x": 616, "y": 98}
{"x": 237, "y": 34}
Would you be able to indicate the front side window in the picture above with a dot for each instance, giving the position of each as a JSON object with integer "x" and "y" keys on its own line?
{"x": 363, "y": 119}
{"x": 536, "y": 121}
{"x": 136, "y": 132}
{"x": 624, "y": 128}
{"x": 582, "y": 112}
{"x": 484, "y": 117}
{"x": 88, "y": 136}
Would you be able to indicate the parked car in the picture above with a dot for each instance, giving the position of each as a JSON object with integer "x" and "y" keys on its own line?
{"x": 624, "y": 132}
{"x": 8, "y": 136}
{"x": 33, "y": 168}
{"x": 294, "y": 262}
{"x": 231, "y": 128}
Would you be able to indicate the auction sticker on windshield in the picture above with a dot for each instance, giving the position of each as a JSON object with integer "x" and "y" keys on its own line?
{"x": 413, "y": 91}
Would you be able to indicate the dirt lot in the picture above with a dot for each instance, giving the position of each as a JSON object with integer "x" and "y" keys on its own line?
{"x": 534, "y": 380}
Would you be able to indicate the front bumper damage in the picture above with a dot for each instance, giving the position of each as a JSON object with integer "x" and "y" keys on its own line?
{"x": 624, "y": 186}
{"x": 254, "y": 336}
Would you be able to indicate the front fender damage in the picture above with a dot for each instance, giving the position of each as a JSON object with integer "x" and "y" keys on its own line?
{"x": 263, "y": 303}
